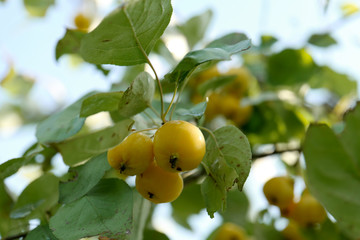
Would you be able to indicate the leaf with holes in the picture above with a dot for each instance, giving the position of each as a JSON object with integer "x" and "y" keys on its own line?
{"x": 127, "y": 35}
{"x": 138, "y": 96}
{"x": 227, "y": 163}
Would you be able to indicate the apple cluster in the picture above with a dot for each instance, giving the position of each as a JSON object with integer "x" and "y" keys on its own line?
{"x": 307, "y": 212}
{"x": 177, "y": 146}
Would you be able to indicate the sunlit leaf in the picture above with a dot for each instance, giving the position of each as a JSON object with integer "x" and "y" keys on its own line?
{"x": 83, "y": 147}
{"x": 17, "y": 85}
{"x": 128, "y": 34}
{"x": 227, "y": 163}
{"x": 219, "y": 50}
{"x": 85, "y": 177}
{"x": 106, "y": 210}
{"x": 290, "y": 67}
{"x": 195, "y": 28}
{"x": 38, "y": 8}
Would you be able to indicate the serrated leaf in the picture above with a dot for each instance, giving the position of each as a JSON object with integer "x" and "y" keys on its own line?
{"x": 215, "y": 83}
{"x": 41, "y": 232}
{"x": 38, "y": 197}
{"x": 322, "y": 40}
{"x": 70, "y": 43}
{"x": 86, "y": 176}
{"x": 215, "y": 51}
{"x": 80, "y": 148}
{"x": 333, "y": 171}
{"x": 38, "y": 8}
{"x": 61, "y": 125}
{"x": 138, "y": 96}
{"x": 196, "y": 111}
{"x": 335, "y": 82}
{"x": 188, "y": 203}
{"x": 128, "y": 34}
{"x": 195, "y": 28}
{"x": 106, "y": 210}
{"x": 100, "y": 102}
{"x": 290, "y": 67}
{"x": 227, "y": 162}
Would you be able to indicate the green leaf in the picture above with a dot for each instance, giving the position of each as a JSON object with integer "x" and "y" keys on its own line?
{"x": 267, "y": 41}
{"x": 322, "y": 40}
{"x": 105, "y": 210}
{"x": 41, "y": 232}
{"x": 219, "y": 50}
{"x": 8, "y": 226}
{"x": 80, "y": 148}
{"x": 11, "y": 166}
{"x": 70, "y": 43}
{"x": 188, "y": 203}
{"x": 196, "y": 111}
{"x": 85, "y": 177}
{"x": 100, "y": 102}
{"x": 335, "y": 82}
{"x": 138, "y": 96}
{"x": 274, "y": 121}
{"x": 152, "y": 234}
{"x": 215, "y": 83}
{"x": 229, "y": 42}
{"x": 290, "y": 67}
{"x": 130, "y": 74}
{"x": 141, "y": 211}
{"x": 333, "y": 171}
{"x": 17, "y": 85}
{"x": 227, "y": 162}
{"x": 61, "y": 125}
{"x": 266, "y": 232}
{"x": 38, "y": 8}
{"x": 37, "y": 198}
{"x": 195, "y": 28}
{"x": 236, "y": 208}
{"x": 128, "y": 34}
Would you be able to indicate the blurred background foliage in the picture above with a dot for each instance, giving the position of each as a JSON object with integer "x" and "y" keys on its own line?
{"x": 272, "y": 92}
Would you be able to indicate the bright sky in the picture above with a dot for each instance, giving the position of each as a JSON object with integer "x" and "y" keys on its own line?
{"x": 29, "y": 44}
